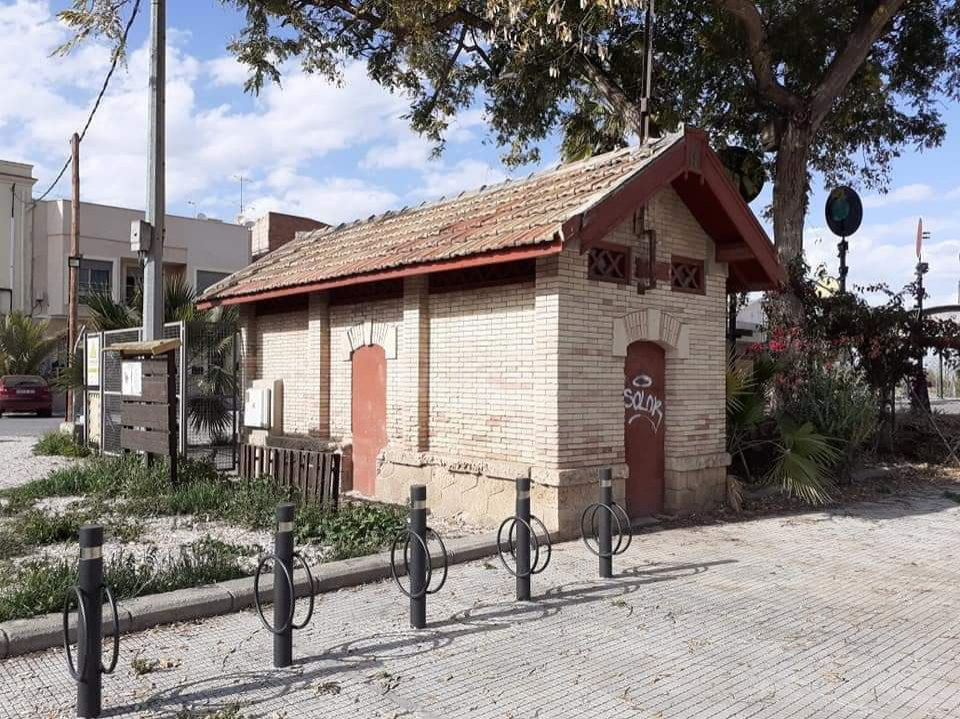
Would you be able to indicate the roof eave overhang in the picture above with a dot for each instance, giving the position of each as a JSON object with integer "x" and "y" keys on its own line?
{"x": 552, "y": 247}
{"x": 690, "y": 159}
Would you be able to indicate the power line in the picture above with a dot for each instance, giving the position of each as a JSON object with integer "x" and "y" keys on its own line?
{"x": 106, "y": 82}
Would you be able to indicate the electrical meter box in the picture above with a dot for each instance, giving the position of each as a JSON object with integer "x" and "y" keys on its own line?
{"x": 257, "y": 410}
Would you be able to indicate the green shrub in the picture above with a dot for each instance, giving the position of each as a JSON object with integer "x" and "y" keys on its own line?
{"x": 40, "y": 586}
{"x": 836, "y": 400}
{"x": 253, "y": 503}
{"x": 354, "y": 529}
{"x": 57, "y": 444}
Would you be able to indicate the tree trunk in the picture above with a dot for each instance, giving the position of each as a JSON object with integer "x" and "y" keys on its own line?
{"x": 790, "y": 189}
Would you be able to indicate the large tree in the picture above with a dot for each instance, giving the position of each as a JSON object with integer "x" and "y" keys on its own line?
{"x": 841, "y": 85}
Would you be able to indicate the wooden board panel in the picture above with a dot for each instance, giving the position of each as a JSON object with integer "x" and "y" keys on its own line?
{"x": 154, "y": 368}
{"x": 150, "y": 416}
{"x": 144, "y": 441}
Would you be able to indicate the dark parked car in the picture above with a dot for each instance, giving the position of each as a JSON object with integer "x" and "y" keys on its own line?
{"x": 25, "y": 393}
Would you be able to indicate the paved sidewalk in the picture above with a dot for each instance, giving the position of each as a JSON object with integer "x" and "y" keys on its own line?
{"x": 851, "y": 614}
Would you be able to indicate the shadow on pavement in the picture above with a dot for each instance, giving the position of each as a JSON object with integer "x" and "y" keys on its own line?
{"x": 372, "y": 652}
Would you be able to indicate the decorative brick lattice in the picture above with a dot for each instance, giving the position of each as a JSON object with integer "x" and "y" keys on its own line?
{"x": 609, "y": 264}
{"x": 686, "y": 275}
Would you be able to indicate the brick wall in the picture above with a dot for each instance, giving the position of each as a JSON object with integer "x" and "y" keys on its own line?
{"x": 275, "y": 229}
{"x": 482, "y": 373}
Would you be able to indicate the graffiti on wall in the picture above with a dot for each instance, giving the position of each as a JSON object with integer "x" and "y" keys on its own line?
{"x": 641, "y": 402}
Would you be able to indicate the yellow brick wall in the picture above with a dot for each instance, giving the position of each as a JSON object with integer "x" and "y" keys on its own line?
{"x": 482, "y": 372}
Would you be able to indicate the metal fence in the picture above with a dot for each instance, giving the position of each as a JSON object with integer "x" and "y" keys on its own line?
{"x": 211, "y": 384}
{"x": 208, "y": 419}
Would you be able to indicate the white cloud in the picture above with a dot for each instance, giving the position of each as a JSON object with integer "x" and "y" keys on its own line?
{"x": 331, "y": 200}
{"x": 953, "y": 194}
{"x": 465, "y": 175}
{"x": 917, "y": 192}
{"x": 278, "y": 139}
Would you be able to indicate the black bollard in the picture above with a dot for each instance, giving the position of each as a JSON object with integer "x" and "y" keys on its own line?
{"x": 418, "y": 557}
{"x": 284, "y": 590}
{"x": 282, "y": 587}
{"x": 603, "y": 530}
{"x": 90, "y": 596}
{"x": 523, "y": 538}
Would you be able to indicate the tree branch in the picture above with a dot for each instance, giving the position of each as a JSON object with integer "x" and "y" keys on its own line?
{"x": 846, "y": 62}
{"x": 768, "y": 86}
{"x": 612, "y": 93}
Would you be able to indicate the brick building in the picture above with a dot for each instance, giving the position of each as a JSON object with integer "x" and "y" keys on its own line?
{"x": 554, "y": 326}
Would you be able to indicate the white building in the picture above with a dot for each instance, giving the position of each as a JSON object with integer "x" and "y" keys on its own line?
{"x": 35, "y": 245}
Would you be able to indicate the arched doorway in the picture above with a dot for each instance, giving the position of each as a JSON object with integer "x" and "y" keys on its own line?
{"x": 368, "y": 415}
{"x": 643, "y": 427}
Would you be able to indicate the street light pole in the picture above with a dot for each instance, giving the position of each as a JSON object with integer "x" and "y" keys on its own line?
{"x": 156, "y": 200}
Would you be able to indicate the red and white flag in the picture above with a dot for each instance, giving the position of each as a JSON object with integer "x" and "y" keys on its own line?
{"x": 919, "y": 236}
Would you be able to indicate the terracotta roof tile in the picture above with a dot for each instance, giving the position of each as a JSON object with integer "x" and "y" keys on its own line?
{"x": 512, "y": 214}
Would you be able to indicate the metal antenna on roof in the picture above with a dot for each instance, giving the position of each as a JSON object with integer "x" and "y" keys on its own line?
{"x": 647, "y": 89}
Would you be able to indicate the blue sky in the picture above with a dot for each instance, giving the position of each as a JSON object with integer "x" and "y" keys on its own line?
{"x": 337, "y": 153}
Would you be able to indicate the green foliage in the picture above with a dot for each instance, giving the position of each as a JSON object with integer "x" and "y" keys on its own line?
{"x": 803, "y": 458}
{"x": 58, "y": 444}
{"x": 845, "y": 85}
{"x": 354, "y": 529}
{"x": 24, "y": 344}
{"x": 39, "y": 586}
{"x": 834, "y": 398}
{"x": 767, "y": 443}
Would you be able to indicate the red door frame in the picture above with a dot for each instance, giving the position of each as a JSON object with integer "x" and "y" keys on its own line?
{"x": 644, "y": 390}
{"x": 368, "y": 415}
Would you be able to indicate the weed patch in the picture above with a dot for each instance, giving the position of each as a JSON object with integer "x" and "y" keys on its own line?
{"x": 57, "y": 444}
{"x": 40, "y": 586}
{"x": 353, "y": 530}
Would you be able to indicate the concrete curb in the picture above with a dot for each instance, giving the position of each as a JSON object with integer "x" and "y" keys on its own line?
{"x": 23, "y": 636}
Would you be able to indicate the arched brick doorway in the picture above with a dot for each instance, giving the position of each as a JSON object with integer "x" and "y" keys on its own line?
{"x": 368, "y": 415}
{"x": 643, "y": 427}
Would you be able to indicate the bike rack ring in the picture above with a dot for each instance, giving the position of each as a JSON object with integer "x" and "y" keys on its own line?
{"x": 306, "y": 567}
{"x": 406, "y": 534}
{"x": 116, "y": 632}
{"x": 82, "y": 612}
{"x": 512, "y": 521}
{"x": 443, "y": 550}
{"x": 626, "y": 523}
{"x": 592, "y": 510}
{"x": 256, "y": 594}
{"x": 546, "y": 562}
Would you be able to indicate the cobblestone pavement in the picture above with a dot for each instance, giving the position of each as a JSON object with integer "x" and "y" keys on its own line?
{"x": 854, "y": 613}
{"x": 18, "y": 465}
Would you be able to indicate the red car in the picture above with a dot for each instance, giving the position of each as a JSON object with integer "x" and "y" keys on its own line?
{"x": 25, "y": 393}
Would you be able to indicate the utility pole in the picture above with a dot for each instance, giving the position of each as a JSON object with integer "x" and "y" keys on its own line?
{"x": 156, "y": 200}
{"x": 73, "y": 261}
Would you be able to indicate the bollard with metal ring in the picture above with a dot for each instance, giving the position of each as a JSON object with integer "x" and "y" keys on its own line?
{"x": 417, "y": 562}
{"x": 600, "y": 515}
{"x": 89, "y": 592}
{"x": 527, "y": 541}
{"x": 284, "y": 590}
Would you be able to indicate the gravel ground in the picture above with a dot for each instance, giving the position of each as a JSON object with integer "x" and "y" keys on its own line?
{"x": 18, "y": 464}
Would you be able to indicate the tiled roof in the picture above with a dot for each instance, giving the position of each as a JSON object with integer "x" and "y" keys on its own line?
{"x": 509, "y": 216}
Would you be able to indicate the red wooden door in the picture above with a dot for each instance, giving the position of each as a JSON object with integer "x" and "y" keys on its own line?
{"x": 368, "y": 415}
{"x": 643, "y": 416}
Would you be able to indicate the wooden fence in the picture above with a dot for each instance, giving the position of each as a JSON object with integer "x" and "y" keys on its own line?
{"x": 315, "y": 476}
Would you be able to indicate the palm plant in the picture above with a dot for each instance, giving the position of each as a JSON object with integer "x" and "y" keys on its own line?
{"x": 793, "y": 456}
{"x": 25, "y": 344}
